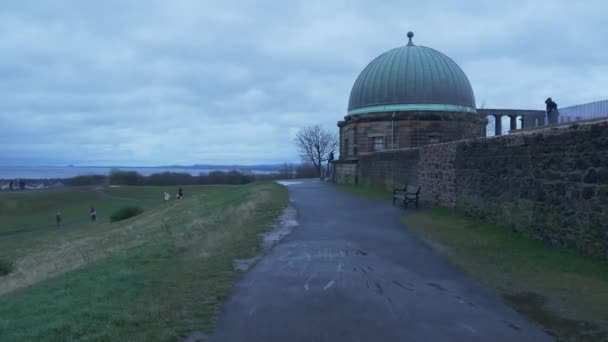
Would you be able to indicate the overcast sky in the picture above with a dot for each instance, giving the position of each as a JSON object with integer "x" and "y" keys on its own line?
{"x": 184, "y": 82}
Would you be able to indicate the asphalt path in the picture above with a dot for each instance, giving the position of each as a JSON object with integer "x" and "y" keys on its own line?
{"x": 351, "y": 271}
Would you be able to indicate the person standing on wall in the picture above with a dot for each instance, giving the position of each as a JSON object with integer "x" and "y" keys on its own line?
{"x": 552, "y": 113}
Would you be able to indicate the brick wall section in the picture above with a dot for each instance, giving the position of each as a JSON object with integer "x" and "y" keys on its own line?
{"x": 549, "y": 184}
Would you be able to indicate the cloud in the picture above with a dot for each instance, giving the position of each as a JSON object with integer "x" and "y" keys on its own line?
{"x": 185, "y": 81}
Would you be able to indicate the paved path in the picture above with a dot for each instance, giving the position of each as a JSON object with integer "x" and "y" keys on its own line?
{"x": 351, "y": 272}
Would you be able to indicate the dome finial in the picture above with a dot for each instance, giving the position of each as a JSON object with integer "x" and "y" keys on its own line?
{"x": 410, "y": 35}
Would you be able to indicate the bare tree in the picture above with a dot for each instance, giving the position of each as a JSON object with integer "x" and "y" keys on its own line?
{"x": 315, "y": 144}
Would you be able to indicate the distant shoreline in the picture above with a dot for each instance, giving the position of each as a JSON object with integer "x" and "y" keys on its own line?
{"x": 39, "y": 173}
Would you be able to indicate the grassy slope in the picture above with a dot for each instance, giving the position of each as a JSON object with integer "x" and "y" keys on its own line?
{"x": 154, "y": 277}
{"x": 33, "y": 209}
{"x": 567, "y": 293}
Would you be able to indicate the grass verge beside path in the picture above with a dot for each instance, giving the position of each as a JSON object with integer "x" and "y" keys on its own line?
{"x": 163, "y": 277}
{"x": 565, "y": 292}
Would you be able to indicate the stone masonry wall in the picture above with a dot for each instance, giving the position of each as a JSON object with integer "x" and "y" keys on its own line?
{"x": 549, "y": 184}
{"x": 437, "y": 175}
{"x": 345, "y": 173}
{"x": 389, "y": 169}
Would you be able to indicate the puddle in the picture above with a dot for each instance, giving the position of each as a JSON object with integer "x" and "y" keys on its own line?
{"x": 436, "y": 286}
{"x": 288, "y": 183}
{"x": 283, "y": 227}
{"x": 245, "y": 264}
{"x": 533, "y": 306}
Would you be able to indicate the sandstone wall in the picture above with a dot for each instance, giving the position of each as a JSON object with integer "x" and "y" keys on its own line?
{"x": 389, "y": 168}
{"x": 411, "y": 129}
{"x": 345, "y": 173}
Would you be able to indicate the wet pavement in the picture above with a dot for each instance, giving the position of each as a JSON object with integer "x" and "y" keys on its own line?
{"x": 350, "y": 271}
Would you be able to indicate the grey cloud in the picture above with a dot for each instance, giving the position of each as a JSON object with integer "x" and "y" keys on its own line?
{"x": 120, "y": 82}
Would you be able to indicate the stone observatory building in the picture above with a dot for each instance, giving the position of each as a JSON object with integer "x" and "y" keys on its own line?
{"x": 409, "y": 96}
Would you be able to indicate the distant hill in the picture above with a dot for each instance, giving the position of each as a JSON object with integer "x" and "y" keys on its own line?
{"x": 260, "y": 167}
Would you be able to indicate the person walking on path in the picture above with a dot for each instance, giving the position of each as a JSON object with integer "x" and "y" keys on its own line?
{"x": 58, "y": 219}
{"x": 93, "y": 214}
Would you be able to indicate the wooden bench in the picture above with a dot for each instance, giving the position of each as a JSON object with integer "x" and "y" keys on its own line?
{"x": 409, "y": 194}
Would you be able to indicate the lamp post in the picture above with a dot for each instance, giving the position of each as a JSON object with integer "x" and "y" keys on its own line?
{"x": 393, "y": 149}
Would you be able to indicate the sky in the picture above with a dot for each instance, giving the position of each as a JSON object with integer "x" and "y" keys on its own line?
{"x": 142, "y": 83}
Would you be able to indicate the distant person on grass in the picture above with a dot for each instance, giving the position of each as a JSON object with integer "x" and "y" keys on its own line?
{"x": 58, "y": 219}
{"x": 167, "y": 196}
{"x": 93, "y": 214}
{"x": 180, "y": 195}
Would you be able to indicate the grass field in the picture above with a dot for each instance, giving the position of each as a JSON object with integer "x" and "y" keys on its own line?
{"x": 565, "y": 292}
{"x": 35, "y": 209}
{"x": 156, "y": 277}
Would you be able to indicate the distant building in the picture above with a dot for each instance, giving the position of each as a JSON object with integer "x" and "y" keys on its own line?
{"x": 413, "y": 96}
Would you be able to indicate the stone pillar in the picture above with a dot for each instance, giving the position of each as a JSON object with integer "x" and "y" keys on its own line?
{"x": 497, "y": 124}
{"x": 513, "y": 122}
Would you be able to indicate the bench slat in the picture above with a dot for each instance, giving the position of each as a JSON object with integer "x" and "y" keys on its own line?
{"x": 412, "y": 189}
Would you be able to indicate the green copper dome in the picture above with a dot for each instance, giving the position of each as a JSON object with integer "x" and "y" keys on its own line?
{"x": 411, "y": 78}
